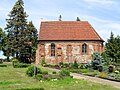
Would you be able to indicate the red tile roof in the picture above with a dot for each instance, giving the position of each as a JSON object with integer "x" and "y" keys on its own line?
{"x": 67, "y": 30}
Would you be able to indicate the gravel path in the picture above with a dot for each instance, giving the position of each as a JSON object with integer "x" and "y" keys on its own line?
{"x": 96, "y": 80}
{"x": 92, "y": 79}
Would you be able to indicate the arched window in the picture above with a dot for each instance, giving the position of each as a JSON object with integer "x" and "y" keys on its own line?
{"x": 52, "y": 49}
{"x": 84, "y": 48}
{"x": 69, "y": 48}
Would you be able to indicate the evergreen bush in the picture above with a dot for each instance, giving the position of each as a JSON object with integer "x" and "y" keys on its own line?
{"x": 21, "y": 65}
{"x": 45, "y": 72}
{"x": 97, "y": 61}
{"x": 54, "y": 72}
{"x": 30, "y": 71}
{"x": 75, "y": 64}
{"x": 3, "y": 65}
{"x": 64, "y": 72}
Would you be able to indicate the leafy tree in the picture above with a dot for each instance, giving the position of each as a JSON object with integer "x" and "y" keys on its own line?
{"x": 21, "y": 37}
{"x": 113, "y": 48}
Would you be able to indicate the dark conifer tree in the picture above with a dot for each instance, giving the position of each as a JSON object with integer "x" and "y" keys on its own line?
{"x": 19, "y": 32}
{"x": 113, "y": 48}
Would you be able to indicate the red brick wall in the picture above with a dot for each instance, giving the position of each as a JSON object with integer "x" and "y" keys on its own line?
{"x": 67, "y": 51}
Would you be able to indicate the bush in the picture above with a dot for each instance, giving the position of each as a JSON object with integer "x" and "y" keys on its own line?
{"x": 65, "y": 65}
{"x": 111, "y": 68}
{"x": 57, "y": 66}
{"x": 14, "y": 61}
{"x": 54, "y": 72}
{"x": 3, "y": 65}
{"x": 102, "y": 75}
{"x": 45, "y": 72}
{"x": 61, "y": 64}
{"x": 64, "y": 72}
{"x": 21, "y": 65}
{"x": 117, "y": 72}
{"x": 75, "y": 64}
{"x": 97, "y": 61}
{"x": 38, "y": 77}
{"x": 82, "y": 66}
{"x": 30, "y": 71}
{"x": 100, "y": 68}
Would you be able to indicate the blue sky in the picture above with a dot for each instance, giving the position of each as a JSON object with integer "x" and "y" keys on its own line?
{"x": 103, "y": 15}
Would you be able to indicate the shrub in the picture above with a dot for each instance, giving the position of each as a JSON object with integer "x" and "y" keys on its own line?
{"x": 102, "y": 75}
{"x": 75, "y": 65}
{"x": 111, "y": 68}
{"x": 54, "y": 72}
{"x": 100, "y": 68}
{"x": 64, "y": 72}
{"x": 21, "y": 65}
{"x": 38, "y": 77}
{"x": 3, "y": 65}
{"x": 61, "y": 64}
{"x": 65, "y": 65}
{"x": 30, "y": 71}
{"x": 82, "y": 66}
{"x": 97, "y": 61}
{"x": 57, "y": 66}
{"x": 117, "y": 72}
{"x": 14, "y": 61}
{"x": 45, "y": 72}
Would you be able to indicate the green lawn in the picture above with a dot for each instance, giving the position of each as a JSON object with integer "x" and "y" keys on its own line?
{"x": 15, "y": 78}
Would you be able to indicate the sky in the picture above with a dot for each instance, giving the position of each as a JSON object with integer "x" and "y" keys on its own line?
{"x": 103, "y": 15}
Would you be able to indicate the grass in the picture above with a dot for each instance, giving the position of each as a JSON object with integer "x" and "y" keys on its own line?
{"x": 16, "y": 79}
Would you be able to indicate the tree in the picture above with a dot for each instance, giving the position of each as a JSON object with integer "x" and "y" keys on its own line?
{"x": 113, "y": 48}
{"x": 20, "y": 35}
{"x": 3, "y": 44}
{"x": 78, "y": 19}
{"x": 1, "y": 37}
{"x": 97, "y": 61}
{"x": 31, "y": 43}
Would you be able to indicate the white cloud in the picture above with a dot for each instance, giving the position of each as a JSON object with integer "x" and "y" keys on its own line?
{"x": 102, "y": 2}
{"x": 104, "y": 27}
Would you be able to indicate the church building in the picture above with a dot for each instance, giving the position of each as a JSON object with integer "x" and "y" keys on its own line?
{"x": 67, "y": 41}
